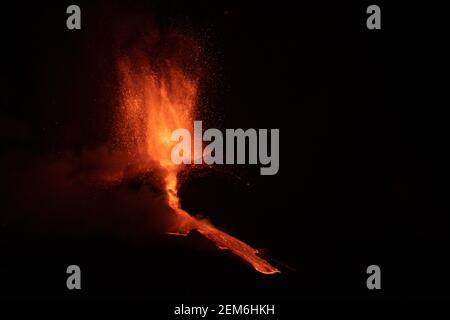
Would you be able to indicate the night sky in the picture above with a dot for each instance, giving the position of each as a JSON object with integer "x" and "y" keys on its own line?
{"x": 363, "y": 138}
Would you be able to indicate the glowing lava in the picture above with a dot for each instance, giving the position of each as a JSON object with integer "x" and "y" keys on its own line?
{"x": 154, "y": 102}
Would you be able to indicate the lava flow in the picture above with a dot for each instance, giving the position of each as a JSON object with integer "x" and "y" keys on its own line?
{"x": 155, "y": 100}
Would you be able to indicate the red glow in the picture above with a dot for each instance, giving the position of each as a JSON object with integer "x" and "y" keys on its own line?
{"x": 154, "y": 102}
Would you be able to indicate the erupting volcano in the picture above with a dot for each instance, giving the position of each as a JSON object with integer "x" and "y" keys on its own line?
{"x": 158, "y": 96}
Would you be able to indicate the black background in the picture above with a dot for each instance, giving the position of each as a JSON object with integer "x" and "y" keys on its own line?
{"x": 361, "y": 153}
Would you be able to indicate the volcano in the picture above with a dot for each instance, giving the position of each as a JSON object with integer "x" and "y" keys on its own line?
{"x": 159, "y": 94}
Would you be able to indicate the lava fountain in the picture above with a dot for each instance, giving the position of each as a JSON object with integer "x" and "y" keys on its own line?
{"x": 157, "y": 98}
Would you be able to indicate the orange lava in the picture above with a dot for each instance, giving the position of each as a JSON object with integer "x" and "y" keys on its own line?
{"x": 154, "y": 102}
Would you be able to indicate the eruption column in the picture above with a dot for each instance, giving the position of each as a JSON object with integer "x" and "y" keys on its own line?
{"x": 154, "y": 102}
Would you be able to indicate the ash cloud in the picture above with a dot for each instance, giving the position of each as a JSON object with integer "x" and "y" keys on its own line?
{"x": 96, "y": 193}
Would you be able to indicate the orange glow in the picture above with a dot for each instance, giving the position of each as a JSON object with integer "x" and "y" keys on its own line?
{"x": 155, "y": 102}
